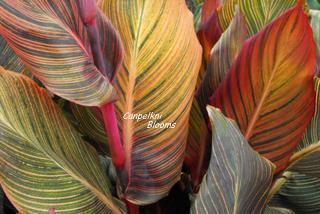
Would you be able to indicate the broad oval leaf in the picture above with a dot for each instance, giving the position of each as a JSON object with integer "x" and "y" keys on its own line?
{"x": 238, "y": 178}
{"x": 158, "y": 76}
{"x": 50, "y": 38}
{"x": 273, "y": 75}
{"x": 44, "y": 162}
{"x": 277, "y": 210}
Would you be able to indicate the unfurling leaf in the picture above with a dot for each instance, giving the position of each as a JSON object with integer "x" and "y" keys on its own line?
{"x": 238, "y": 178}
{"x": 269, "y": 90}
{"x": 222, "y": 56}
{"x": 44, "y": 163}
{"x": 159, "y": 73}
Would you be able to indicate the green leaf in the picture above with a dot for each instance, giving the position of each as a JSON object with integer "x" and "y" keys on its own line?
{"x": 9, "y": 60}
{"x": 238, "y": 178}
{"x": 301, "y": 193}
{"x": 44, "y": 163}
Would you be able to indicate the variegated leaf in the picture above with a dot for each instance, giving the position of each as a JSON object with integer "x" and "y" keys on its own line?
{"x": 222, "y": 56}
{"x": 258, "y": 13}
{"x": 158, "y": 76}
{"x": 44, "y": 163}
{"x": 238, "y": 178}
{"x": 51, "y": 40}
{"x": 261, "y": 87}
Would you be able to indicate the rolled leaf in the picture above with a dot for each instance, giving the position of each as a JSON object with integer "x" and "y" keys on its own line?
{"x": 44, "y": 163}
{"x": 208, "y": 8}
{"x": 158, "y": 76}
{"x": 238, "y": 178}
{"x": 198, "y": 145}
{"x": 222, "y": 56}
{"x": 261, "y": 87}
{"x": 51, "y": 40}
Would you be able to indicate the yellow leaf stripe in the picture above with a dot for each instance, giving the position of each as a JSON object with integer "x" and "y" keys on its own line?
{"x": 238, "y": 178}
{"x": 51, "y": 40}
{"x": 44, "y": 163}
{"x": 159, "y": 73}
{"x": 258, "y": 13}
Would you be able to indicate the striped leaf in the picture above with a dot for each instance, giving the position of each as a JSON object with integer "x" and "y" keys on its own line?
{"x": 89, "y": 123}
{"x": 158, "y": 76}
{"x": 208, "y": 34}
{"x": 301, "y": 194}
{"x": 44, "y": 163}
{"x": 261, "y": 87}
{"x": 238, "y": 178}
{"x": 9, "y": 60}
{"x": 209, "y": 7}
{"x": 221, "y": 58}
{"x": 50, "y": 38}
{"x": 258, "y": 13}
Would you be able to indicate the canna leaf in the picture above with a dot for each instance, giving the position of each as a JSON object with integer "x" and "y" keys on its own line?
{"x": 197, "y": 152}
{"x": 51, "y": 40}
{"x": 258, "y": 13}
{"x": 158, "y": 75}
{"x": 44, "y": 163}
{"x": 8, "y": 59}
{"x": 301, "y": 193}
{"x": 273, "y": 75}
{"x": 221, "y": 58}
{"x": 89, "y": 123}
{"x": 209, "y": 7}
{"x": 306, "y": 158}
{"x": 209, "y": 34}
{"x": 246, "y": 175}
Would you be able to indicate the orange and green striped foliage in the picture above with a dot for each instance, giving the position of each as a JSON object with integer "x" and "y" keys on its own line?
{"x": 258, "y": 13}
{"x": 269, "y": 89}
{"x": 51, "y": 40}
{"x": 159, "y": 73}
{"x": 44, "y": 163}
{"x": 238, "y": 178}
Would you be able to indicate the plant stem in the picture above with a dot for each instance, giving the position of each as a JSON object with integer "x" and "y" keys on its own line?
{"x": 88, "y": 12}
{"x": 111, "y": 127}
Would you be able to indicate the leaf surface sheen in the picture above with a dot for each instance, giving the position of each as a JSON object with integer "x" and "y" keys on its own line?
{"x": 238, "y": 178}
{"x": 44, "y": 162}
{"x": 158, "y": 75}
{"x": 51, "y": 40}
{"x": 269, "y": 89}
